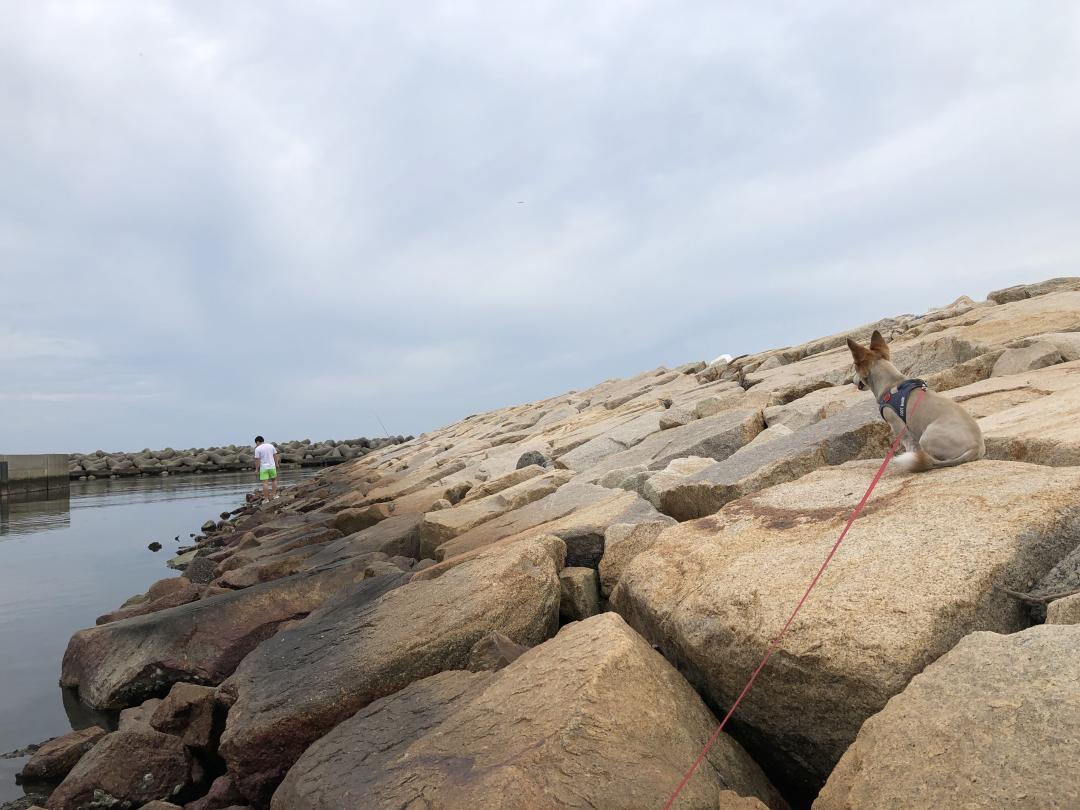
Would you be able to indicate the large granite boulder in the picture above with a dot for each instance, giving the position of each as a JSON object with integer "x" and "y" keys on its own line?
{"x": 445, "y": 524}
{"x": 124, "y": 662}
{"x": 995, "y": 722}
{"x": 302, "y": 683}
{"x": 922, "y": 567}
{"x": 715, "y": 437}
{"x": 592, "y": 718}
{"x": 858, "y": 432}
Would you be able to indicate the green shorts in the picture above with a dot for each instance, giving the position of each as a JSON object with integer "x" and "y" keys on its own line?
{"x": 268, "y": 474}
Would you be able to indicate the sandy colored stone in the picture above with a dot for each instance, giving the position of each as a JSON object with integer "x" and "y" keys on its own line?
{"x": 920, "y": 569}
{"x": 1064, "y": 611}
{"x": 1043, "y": 431}
{"x": 592, "y": 718}
{"x": 814, "y": 407}
{"x": 582, "y": 530}
{"x": 1021, "y": 292}
{"x": 730, "y": 800}
{"x": 292, "y": 690}
{"x": 616, "y": 440}
{"x": 439, "y": 527}
{"x": 580, "y": 594}
{"x": 399, "y": 535}
{"x": 995, "y": 722}
{"x": 1029, "y": 358}
{"x": 510, "y": 479}
{"x": 493, "y": 652}
{"x": 715, "y": 437}
{"x": 623, "y": 542}
{"x": 856, "y": 433}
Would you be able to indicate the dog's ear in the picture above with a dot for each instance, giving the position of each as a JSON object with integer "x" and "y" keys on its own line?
{"x": 857, "y": 351}
{"x": 878, "y": 344}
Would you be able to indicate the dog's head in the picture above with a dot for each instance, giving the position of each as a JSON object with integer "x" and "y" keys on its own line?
{"x": 866, "y": 357}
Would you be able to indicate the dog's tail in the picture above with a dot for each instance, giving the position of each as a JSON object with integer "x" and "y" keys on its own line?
{"x": 915, "y": 461}
{"x": 919, "y": 460}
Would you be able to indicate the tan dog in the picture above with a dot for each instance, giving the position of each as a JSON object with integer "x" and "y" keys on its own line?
{"x": 939, "y": 432}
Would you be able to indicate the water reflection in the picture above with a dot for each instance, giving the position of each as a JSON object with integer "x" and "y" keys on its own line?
{"x": 28, "y": 517}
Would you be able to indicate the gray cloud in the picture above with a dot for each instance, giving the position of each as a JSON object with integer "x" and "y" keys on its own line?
{"x": 226, "y": 218}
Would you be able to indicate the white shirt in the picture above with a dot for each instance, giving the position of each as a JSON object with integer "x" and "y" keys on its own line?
{"x": 265, "y": 454}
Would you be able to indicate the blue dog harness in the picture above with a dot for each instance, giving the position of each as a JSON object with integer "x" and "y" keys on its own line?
{"x": 897, "y": 398}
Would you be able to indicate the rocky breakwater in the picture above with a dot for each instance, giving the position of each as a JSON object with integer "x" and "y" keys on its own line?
{"x": 549, "y": 605}
{"x": 302, "y": 453}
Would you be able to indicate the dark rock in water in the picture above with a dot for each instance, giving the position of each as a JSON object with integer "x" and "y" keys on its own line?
{"x": 209, "y": 526}
{"x": 155, "y": 546}
{"x": 532, "y": 457}
{"x": 225, "y": 515}
{"x": 54, "y": 759}
{"x": 124, "y": 662}
{"x": 164, "y": 766}
{"x": 200, "y": 570}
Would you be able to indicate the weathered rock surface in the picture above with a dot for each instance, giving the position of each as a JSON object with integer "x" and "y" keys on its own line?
{"x": 920, "y": 569}
{"x": 1043, "y": 431}
{"x": 592, "y": 718}
{"x": 296, "y": 687}
{"x": 616, "y": 440}
{"x": 506, "y": 481}
{"x": 222, "y": 795}
{"x": 1064, "y": 611}
{"x": 623, "y": 542}
{"x": 187, "y": 712}
{"x": 395, "y": 536}
{"x": 580, "y": 594}
{"x": 583, "y": 529}
{"x": 715, "y": 437}
{"x": 122, "y": 663}
{"x": 439, "y": 527}
{"x": 138, "y": 717}
{"x": 55, "y": 759}
{"x": 493, "y": 652}
{"x": 995, "y": 722}
{"x": 136, "y": 767}
{"x": 1035, "y": 356}
{"x": 856, "y": 433}
{"x": 1062, "y": 578}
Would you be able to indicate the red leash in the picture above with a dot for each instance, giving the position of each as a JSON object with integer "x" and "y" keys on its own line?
{"x": 776, "y": 642}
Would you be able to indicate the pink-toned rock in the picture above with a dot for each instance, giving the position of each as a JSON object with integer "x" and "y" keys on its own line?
{"x": 53, "y": 760}
{"x": 135, "y": 766}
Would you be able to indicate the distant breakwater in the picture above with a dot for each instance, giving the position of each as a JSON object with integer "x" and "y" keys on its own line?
{"x": 300, "y": 453}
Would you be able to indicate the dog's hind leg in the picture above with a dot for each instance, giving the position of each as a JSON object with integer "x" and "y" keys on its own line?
{"x": 943, "y": 445}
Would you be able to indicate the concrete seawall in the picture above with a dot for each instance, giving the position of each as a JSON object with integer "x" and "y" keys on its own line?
{"x": 34, "y": 477}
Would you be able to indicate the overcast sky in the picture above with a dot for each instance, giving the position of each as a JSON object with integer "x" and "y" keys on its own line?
{"x": 218, "y": 219}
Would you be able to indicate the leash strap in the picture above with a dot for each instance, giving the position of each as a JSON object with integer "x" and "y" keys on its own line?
{"x": 776, "y": 642}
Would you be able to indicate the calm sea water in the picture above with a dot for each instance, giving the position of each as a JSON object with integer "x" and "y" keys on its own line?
{"x": 64, "y": 563}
